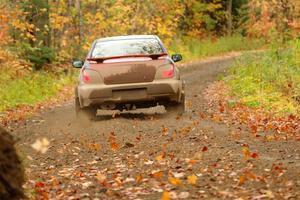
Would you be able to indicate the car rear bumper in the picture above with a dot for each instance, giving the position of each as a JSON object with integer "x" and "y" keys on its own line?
{"x": 90, "y": 94}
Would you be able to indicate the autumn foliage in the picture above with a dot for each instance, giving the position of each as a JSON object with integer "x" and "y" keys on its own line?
{"x": 57, "y": 31}
{"x": 38, "y": 35}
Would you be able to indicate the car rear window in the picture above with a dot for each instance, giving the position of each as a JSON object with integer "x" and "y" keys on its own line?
{"x": 126, "y": 47}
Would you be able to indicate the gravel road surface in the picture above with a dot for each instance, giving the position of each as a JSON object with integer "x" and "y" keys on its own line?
{"x": 154, "y": 156}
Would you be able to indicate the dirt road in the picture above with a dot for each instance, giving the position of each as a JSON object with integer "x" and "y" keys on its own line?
{"x": 157, "y": 156}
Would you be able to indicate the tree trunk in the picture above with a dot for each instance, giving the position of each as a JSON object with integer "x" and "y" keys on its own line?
{"x": 47, "y": 19}
{"x": 79, "y": 24}
{"x": 229, "y": 15}
{"x": 80, "y": 20}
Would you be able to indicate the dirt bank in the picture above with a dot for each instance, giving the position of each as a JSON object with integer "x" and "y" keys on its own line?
{"x": 11, "y": 171}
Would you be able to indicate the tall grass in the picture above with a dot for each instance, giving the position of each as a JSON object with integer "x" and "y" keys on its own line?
{"x": 270, "y": 80}
{"x": 192, "y": 48}
{"x": 30, "y": 89}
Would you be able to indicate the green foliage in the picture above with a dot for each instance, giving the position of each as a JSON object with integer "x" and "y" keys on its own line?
{"x": 38, "y": 56}
{"x": 30, "y": 32}
{"x": 202, "y": 17}
{"x": 270, "y": 80}
{"x": 195, "y": 49}
{"x": 30, "y": 89}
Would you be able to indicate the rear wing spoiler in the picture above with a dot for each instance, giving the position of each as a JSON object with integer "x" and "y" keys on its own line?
{"x": 152, "y": 56}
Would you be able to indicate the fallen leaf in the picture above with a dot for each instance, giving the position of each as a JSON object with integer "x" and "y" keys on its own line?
{"x": 198, "y": 155}
{"x": 113, "y": 143}
{"x": 101, "y": 177}
{"x": 139, "y": 178}
{"x": 156, "y": 174}
{"x": 221, "y": 109}
{"x": 41, "y": 145}
{"x": 174, "y": 181}
{"x": 39, "y": 184}
{"x": 192, "y": 162}
{"x": 246, "y": 152}
{"x": 173, "y": 195}
{"x": 139, "y": 137}
{"x": 165, "y": 196}
{"x": 270, "y": 194}
{"x": 129, "y": 145}
{"x": 178, "y": 175}
{"x": 183, "y": 195}
{"x": 250, "y": 175}
{"x": 270, "y": 137}
{"x": 86, "y": 184}
{"x": 94, "y": 147}
{"x": 114, "y": 146}
{"x": 164, "y": 130}
{"x": 149, "y": 162}
{"x": 160, "y": 157}
{"x": 202, "y": 115}
{"x": 254, "y": 155}
{"x": 192, "y": 179}
{"x": 204, "y": 148}
{"x": 242, "y": 180}
{"x": 127, "y": 180}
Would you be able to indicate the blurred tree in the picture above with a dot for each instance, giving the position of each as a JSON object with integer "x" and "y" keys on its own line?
{"x": 203, "y": 17}
{"x": 273, "y": 20}
{"x": 31, "y": 31}
{"x": 229, "y": 14}
{"x": 69, "y": 26}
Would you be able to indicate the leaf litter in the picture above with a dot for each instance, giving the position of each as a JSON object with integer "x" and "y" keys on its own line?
{"x": 199, "y": 155}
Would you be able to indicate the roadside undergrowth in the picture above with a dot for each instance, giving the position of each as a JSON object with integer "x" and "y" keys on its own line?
{"x": 262, "y": 91}
{"x": 269, "y": 80}
{"x": 24, "y": 92}
{"x": 22, "y": 111}
{"x": 260, "y": 122}
{"x": 30, "y": 89}
{"x": 195, "y": 49}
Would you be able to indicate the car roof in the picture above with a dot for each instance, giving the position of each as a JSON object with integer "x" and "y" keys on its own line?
{"x": 126, "y": 37}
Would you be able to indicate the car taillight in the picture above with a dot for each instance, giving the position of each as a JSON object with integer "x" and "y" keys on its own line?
{"x": 86, "y": 77}
{"x": 168, "y": 73}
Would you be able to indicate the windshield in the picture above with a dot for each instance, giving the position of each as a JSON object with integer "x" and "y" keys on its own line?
{"x": 126, "y": 47}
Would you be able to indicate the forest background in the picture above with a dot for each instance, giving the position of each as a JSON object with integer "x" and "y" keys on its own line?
{"x": 40, "y": 38}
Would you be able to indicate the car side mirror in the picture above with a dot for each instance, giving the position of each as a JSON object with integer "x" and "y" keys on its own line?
{"x": 78, "y": 63}
{"x": 176, "y": 57}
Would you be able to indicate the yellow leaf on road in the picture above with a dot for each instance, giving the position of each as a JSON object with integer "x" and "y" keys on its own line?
{"x": 165, "y": 196}
{"x": 174, "y": 181}
{"x": 156, "y": 174}
{"x": 101, "y": 177}
{"x": 192, "y": 179}
{"x": 246, "y": 152}
{"x": 138, "y": 178}
{"x": 114, "y": 146}
{"x": 159, "y": 158}
{"x": 41, "y": 145}
{"x": 242, "y": 180}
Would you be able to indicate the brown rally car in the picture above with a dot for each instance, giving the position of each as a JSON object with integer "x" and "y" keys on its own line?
{"x": 128, "y": 72}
